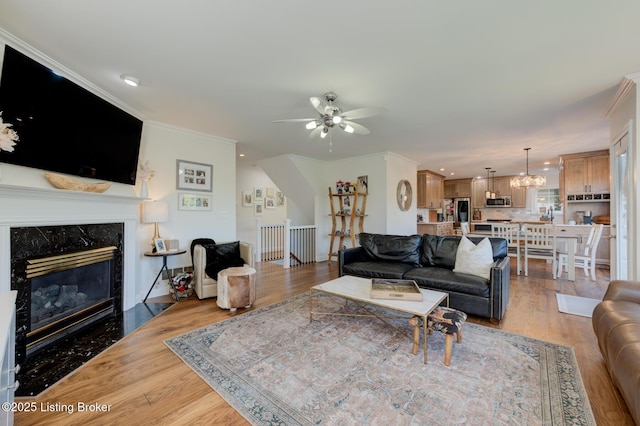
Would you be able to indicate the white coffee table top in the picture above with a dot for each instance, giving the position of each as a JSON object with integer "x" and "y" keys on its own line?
{"x": 356, "y": 288}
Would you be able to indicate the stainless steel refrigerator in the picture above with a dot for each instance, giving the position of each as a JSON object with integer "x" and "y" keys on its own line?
{"x": 461, "y": 210}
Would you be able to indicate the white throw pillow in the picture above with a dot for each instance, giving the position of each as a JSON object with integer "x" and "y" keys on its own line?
{"x": 474, "y": 259}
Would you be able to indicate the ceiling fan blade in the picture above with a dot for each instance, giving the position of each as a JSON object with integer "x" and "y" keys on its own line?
{"x": 315, "y": 132}
{"x": 294, "y": 120}
{"x": 363, "y": 112}
{"x": 319, "y": 104}
{"x": 357, "y": 128}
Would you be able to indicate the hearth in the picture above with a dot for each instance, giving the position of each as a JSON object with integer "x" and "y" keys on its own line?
{"x": 67, "y": 277}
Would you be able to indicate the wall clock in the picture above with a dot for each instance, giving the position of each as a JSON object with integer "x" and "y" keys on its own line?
{"x": 404, "y": 195}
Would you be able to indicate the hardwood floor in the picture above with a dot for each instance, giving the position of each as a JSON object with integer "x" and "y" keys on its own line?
{"x": 143, "y": 382}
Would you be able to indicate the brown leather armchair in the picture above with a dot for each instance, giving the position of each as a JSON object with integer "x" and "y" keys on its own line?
{"x": 616, "y": 322}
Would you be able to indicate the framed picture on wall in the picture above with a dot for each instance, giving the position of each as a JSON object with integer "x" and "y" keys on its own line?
{"x": 258, "y": 193}
{"x": 279, "y": 199}
{"x": 270, "y": 202}
{"x": 257, "y": 209}
{"x": 188, "y": 201}
{"x": 247, "y": 199}
{"x": 194, "y": 176}
{"x": 271, "y": 192}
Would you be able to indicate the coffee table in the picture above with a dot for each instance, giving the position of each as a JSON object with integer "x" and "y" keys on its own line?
{"x": 358, "y": 290}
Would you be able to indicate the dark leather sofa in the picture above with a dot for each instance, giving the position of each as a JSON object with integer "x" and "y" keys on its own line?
{"x": 616, "y": 323}
{"x": 430, "y": 260}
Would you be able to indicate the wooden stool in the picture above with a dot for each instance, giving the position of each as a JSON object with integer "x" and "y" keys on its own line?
{"x": 236, "y": 288}
{"x": 448, "y": 321}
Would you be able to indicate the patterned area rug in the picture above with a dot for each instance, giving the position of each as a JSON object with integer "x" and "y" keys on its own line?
{"x": 277, "y": 368}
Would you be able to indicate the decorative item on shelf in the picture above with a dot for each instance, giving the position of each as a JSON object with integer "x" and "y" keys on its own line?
{"x": 155, "y": 212}
{"x": 339, "y": 187}
{"x": 145, "y": 175}
{"x": 363, "y": 184}
{"x": 63, "y": 182}
{"x": 527, "y": 180}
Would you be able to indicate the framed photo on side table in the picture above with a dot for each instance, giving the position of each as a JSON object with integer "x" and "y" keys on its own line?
{"x": 160, "y": 247}
{"x": 194, "y": 176}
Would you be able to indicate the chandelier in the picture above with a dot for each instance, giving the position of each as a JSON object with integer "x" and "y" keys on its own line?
{"x": 527, "y": 180}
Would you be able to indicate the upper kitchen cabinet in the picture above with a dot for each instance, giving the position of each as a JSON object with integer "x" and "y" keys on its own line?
{"x": 457, "y": 188}
{"x": 430, "y": 190}
{"x": 478, "y": 189}
{"x": 518, "y": 198}
{"x": 586, "y": 176}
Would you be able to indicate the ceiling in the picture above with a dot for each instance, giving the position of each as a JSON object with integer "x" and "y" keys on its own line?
{"x": 466, "y": 84}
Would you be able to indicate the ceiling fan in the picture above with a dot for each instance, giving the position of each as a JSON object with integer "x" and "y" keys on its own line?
{"x": 332, "y": 115}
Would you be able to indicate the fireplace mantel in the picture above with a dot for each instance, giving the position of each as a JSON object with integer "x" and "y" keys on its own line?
{"x": 41, "y": 206}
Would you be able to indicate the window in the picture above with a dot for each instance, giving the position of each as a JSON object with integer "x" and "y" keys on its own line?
{"x": 549, "y": 199}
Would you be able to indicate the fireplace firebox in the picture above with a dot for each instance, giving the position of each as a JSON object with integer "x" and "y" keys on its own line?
{"x": 67, "y": 277}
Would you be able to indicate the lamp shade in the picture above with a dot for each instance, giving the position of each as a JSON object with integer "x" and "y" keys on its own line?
{"x": 154, "y": 211}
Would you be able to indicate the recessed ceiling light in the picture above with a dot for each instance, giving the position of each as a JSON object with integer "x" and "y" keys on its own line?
{"x": 241, "y": 155}
{"x": 452, "y": 173}
{"x": 546, "y": 163}
{"x": 545, "y": 169}
{"x": 442, "y": 169}
{"x": 131, "y": 81}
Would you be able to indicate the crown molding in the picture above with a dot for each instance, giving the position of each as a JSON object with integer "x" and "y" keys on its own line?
{"x": 626, "y": 85}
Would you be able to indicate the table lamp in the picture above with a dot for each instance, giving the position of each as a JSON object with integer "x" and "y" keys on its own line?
{"x": 154, "y": 212}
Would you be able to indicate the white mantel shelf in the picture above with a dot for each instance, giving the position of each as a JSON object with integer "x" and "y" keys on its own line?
{"x": 17, "y": 191}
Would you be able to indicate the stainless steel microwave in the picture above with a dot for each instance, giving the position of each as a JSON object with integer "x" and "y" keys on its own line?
{"x": 498, "y": 202}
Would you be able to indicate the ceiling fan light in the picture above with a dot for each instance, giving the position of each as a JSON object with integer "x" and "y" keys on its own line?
{"x": 336, "y": 119}
{"x": 347, "y": 128}
{"x": 324, "y": 132}
{"x": 311, "y": 125}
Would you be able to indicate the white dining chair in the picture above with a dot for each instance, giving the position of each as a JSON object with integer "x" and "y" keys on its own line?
{"x": 511, "y": 233}
{"x": 465, "y": 228}
{"x": 587, "y": 260}
{"x": 540, "y": 243}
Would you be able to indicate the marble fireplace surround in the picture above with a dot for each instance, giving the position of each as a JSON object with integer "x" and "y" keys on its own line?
{"x": 29, "y": 206}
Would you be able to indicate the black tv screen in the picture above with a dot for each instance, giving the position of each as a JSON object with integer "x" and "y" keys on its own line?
{"x": 63, "y": 127}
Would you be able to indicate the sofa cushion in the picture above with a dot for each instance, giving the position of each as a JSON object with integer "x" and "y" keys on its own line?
{"x": 392, "y": 248}
{"x": 442, "y": 250}
{"x": 446, "y": 280}
{"x": 474, "y": 259}
{"x": 222, "y": 256}
{"x": 371, "y": 269}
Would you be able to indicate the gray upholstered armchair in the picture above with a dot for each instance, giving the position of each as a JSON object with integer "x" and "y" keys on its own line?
{"x": 204, "y": 285}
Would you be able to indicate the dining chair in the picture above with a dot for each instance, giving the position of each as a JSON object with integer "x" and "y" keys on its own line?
{"x": 540, "y": 243}
{"x": 587, "y": 260}
{"x": 511, "y": 233}
{"x": 465, "y": 228}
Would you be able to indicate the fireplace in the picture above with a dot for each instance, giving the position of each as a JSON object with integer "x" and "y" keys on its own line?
{"x": 67, "y": 277}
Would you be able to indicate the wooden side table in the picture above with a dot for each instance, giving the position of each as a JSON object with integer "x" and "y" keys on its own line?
{"x": 164, "y": 256}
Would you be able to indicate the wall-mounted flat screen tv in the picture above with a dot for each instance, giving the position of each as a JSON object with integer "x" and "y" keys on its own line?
{"x": 63, "y": 127}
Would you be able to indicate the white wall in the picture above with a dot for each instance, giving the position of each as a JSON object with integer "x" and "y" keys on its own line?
{"x": 162, "y": 146}
{"x": 247, "y": 178}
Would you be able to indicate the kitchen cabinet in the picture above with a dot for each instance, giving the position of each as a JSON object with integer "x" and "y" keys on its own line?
{"x": 478, "y": 189}
{"x": 460, "y": 188}
{"x": 501, "y": 186}
{"x": 518, "y": 198}
{"x": 438, "y": 228}
{"x": 586, "y": 173}
{"x": 430, "y": 191}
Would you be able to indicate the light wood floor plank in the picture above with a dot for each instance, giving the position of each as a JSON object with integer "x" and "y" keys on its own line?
{"x": 145, "y": 383}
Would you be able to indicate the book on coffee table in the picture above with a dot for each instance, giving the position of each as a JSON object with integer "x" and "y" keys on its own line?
{"x": 383, "y": 288}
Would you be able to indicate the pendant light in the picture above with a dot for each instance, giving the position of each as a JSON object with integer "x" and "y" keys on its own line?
{"x": 527, "y": 181}
{"x": 487, "y": 193}
{"x": 493, "y": 184}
